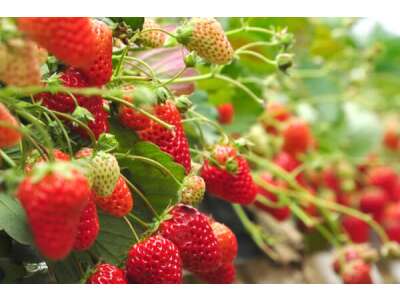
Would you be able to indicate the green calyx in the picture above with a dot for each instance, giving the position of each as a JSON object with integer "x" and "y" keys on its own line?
{"x": 184, "y": 33}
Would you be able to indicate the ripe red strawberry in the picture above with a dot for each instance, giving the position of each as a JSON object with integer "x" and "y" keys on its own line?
{"x": 53, "y": 205}
{"x": 274, "y": 114}
{"x": 348, "y": 256}
{"x": 71, "y": 40}
{"x": 36, "y": 158}
{"x": 391, "y": 221}
{"x": 351, "y": 253}
{"x": 119, "y": 203}
{"x": 225, "y": 274}
{"x": 384, "y": 177}
{"x": 227, "y": 176}
{"x": 207, "y": 38}
{"x": 173, "y": 142}
{"x": 22, "y": 63}
{"x": 191, "y": 232}
{"x": 98, "y": 70}
{"x": 192, "y": 190}
{"x": 225, "y": 113}
{"x": 84, "y": 152}
{"x": 331, "y": 180}
{"x": 391, "y": 138}
{"x": 107, "y": 274}
{"x": 297, "y": 138}
{"x": 373, "y": 201}
{"x": 357, "y": 272}
{"x": 151, "y": 37}
{"x": 357, "y": 229}
{"x": 9, "y": 134}
{"x": 129, "y": 117}
{"x": 154, "y": 260}
{"x": 227, "y": 242}
{"x": 281, "y": 213}
{"x": 88, "y": 228}
{"x": 289, "y": 164}
{"x": 66, "y": 104}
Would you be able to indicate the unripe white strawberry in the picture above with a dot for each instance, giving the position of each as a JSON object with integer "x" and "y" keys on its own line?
{"x": 104, "y": 173}
{"x": 207, "y": 38}
{"x": 152, "y": 38}
{"x": 21, "y": 63}
{"x": 192, "y": 191}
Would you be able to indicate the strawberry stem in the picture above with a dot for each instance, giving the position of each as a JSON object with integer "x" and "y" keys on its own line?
{"x": 146, "y": 201}
{"x": 132, "y": 229}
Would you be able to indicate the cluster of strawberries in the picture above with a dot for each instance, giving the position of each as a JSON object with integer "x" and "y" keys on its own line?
{"x": 61, "y": 199}
{"x": 185, "y": 239}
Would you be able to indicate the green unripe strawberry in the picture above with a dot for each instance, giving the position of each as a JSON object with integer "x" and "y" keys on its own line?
{"x": 105, "y": 173}
{"x": 192, "y": 191}
{"x": 207, "y": 38}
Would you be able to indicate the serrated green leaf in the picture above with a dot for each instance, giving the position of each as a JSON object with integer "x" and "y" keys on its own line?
{"x": 13, "y": 220}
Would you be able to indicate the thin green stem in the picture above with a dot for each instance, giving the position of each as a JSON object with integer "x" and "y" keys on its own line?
{"x": 7, "y": 159}
{"x": 257, "y": 44}
{"x": 173, "y": 78}
{"x": 138, "y": 220}
{"x": 192, "y": 78}
{"x": 144, "y": 112}
{"x": 146, "y": 201}
{"x": 254, "y": 231}
{"x": 257, "y": 55}
{"x": 150, "y": 162}
{"x": 240, "y": 86}
{"x": 161, "y": 30}
{"x": 250, "y": 29}
{"x": 131, "y": 228}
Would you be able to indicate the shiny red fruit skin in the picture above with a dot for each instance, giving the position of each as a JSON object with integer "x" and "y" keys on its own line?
{"x": 281, "y": 213}
{"x": 225, "y": 113}
{"x": 391, "y": 138}
{"x": 358, "y": 272}
{"x": 297, "y": 138}
{"x": 373, "y": 201}
{"x": 173, "y": 142}
{"x": 70, "y": 39}
{"x": 289, "y": 164}
{"x": 88, "y": 228}
{"x": 119, "y": 203}
{"x": 154, "y": 260}
{"x": 107, "y": 274}
{"x": 225, "y": 274}
{"x": 191, "y": 232}
{"x": 9, "y": 136}
{"x": 357, "y": 229}
{"x": 236, "y": 187}
{"x": 53, "y": 206}
{"x": 65, "y": 103}
{"x": 391, "y": 221}
{"x": 98, "y": 71}
{"x": 384, "y": 177}
{"x": 227, "y": 242}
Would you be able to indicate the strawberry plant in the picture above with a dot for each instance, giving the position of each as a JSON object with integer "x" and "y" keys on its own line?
{"x": 116, "y": 132}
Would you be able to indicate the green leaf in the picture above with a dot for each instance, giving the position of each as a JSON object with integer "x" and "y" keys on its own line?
{"x": 114, "y": 240}
{"x": 156, "y": 175}
{"x": 12, "y": 271}
{"x": 133, "y": 22}
{"x": 71, "y": 269}
{"x": 13, "y": 220}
